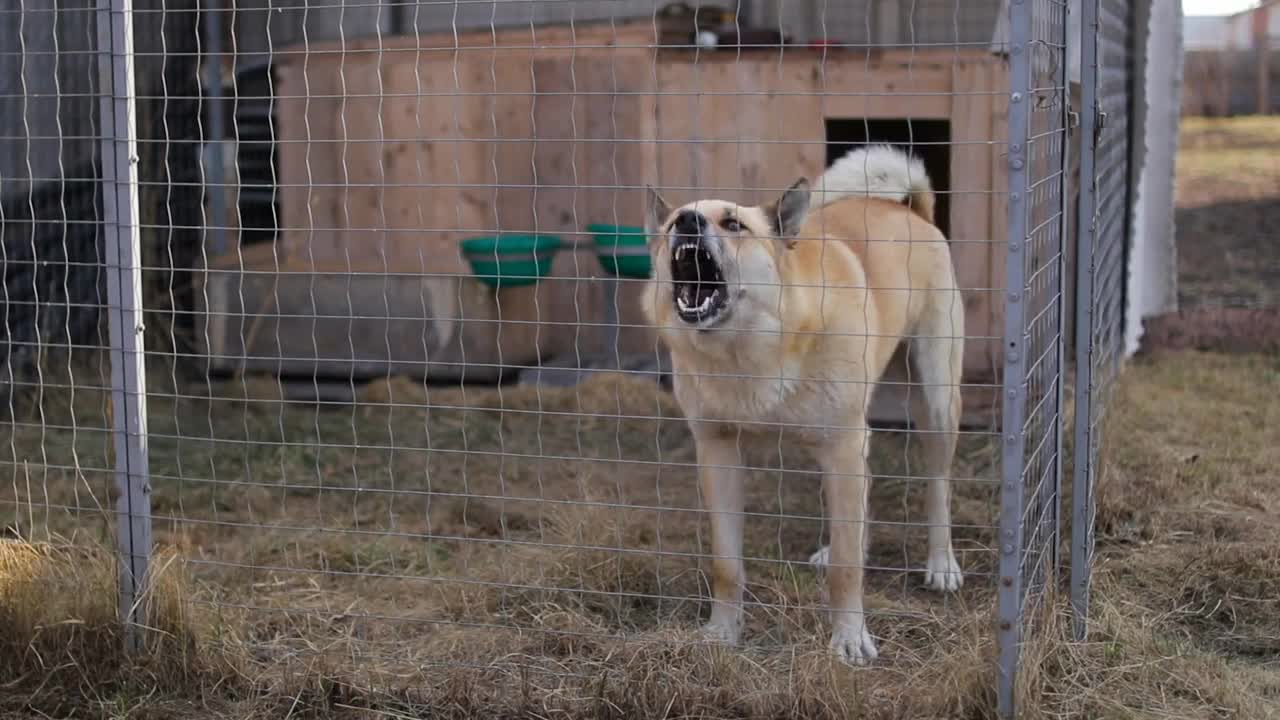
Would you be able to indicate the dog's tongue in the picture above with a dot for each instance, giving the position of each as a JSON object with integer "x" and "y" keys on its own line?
{"x": 689, "y": 293}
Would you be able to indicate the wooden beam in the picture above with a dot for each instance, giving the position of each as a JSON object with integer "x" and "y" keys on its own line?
{"x": 971, "y": 186}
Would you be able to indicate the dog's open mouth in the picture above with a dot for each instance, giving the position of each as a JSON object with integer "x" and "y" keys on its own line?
{"x": 698, "y": 290}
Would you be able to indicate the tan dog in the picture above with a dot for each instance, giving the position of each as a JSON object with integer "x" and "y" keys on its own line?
{"x": 781, "y": 320}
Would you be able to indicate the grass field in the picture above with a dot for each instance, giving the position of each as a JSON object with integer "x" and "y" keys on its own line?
{"x": 511, "y": 553}
{"x": 1228, "y": 218}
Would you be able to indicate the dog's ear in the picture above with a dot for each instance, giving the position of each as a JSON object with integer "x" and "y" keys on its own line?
{"x": 787, "y": 213}
{"x": 656, "y": 211}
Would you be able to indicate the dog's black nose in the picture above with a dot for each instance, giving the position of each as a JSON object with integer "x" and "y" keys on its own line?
{"x": 689, "y": 222}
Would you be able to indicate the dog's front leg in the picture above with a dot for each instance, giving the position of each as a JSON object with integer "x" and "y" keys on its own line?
{"x": 845, "y": 482}
{"x": 721, "y": 475}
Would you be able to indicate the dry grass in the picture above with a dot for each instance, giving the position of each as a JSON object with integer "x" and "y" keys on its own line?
{"x": 1187, "y": 581}
{"x": 553, "y": 568}
{"x": 62, "y": 643}
{"x": 588, "y": 621}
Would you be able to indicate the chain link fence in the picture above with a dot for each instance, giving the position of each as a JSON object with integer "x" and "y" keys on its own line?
{"x": 340, "y": 305}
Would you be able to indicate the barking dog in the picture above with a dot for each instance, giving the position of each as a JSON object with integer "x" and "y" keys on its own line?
{"x": 780, "y": 319}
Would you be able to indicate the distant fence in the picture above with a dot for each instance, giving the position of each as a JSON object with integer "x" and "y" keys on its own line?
{"x": 1222, "y": 83}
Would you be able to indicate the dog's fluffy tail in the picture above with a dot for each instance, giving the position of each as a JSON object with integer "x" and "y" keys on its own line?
{"x": 880, "y": 171}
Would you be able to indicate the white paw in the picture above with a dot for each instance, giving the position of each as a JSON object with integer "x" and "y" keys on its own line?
{"x": 721, "y": 631}
{"x": 853, "y": 644}
{"x": 821, "y": 558}
{"x": 943, "y": 572}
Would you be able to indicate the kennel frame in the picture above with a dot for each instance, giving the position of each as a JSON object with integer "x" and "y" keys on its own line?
{"x": 122, "y": 225}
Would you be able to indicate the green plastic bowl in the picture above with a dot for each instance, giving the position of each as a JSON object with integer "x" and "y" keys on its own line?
{"x": 622, "y": 250}
{"x": 510, "y": 260}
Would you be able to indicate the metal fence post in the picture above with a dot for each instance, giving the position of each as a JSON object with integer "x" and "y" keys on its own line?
{"x": 123, "y": 259}
{"x": 1086, "y": 227}
{"x": 1014, "y": 384}
{"x": 1064, "y": 237}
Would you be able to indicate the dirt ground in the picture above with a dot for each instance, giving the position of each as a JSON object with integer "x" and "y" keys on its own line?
{"x": 1228, "y": 220}
{"x": 521, "y": 554}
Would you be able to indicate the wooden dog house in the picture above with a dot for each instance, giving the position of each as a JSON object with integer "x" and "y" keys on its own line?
{"x": 391, "y": 151}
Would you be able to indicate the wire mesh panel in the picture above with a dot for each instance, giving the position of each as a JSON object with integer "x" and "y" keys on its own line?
{"x": 1108, "y": 63}
{"x": 72, "y": 378}
{"x": 444, "y": 405}
{"x": 54, "y": 290}
{"x": 564, "y": 507}
{"x": 1034, "y": 320}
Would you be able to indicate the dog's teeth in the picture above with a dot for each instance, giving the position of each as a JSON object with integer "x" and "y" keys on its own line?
{"x": 705, "y": 304}
{"x": 684, "y": 301}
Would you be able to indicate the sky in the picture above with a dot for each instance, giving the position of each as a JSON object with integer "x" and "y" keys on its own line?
{"x": 1216, "y": 7}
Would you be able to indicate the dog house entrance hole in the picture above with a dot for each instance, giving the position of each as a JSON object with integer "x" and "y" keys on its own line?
{"x": 928, "y": 140}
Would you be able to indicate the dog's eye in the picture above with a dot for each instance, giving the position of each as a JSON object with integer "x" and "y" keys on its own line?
{"x": 731, "y": 225}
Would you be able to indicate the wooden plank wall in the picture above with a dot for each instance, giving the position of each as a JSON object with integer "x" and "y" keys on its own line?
{"x": 390, "y": 157}
{"x": 399, "y": 148}
{"x": 973, "y": 227}
{"x": 390, "y": 154}
{"x": 753, "y": 125}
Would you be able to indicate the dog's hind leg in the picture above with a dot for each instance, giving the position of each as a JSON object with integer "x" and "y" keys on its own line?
{"x": 937, "y": 356}
{"x": 723, "y": 495}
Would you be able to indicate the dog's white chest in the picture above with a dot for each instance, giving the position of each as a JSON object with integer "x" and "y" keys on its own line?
{"x": 757, "y": 404}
